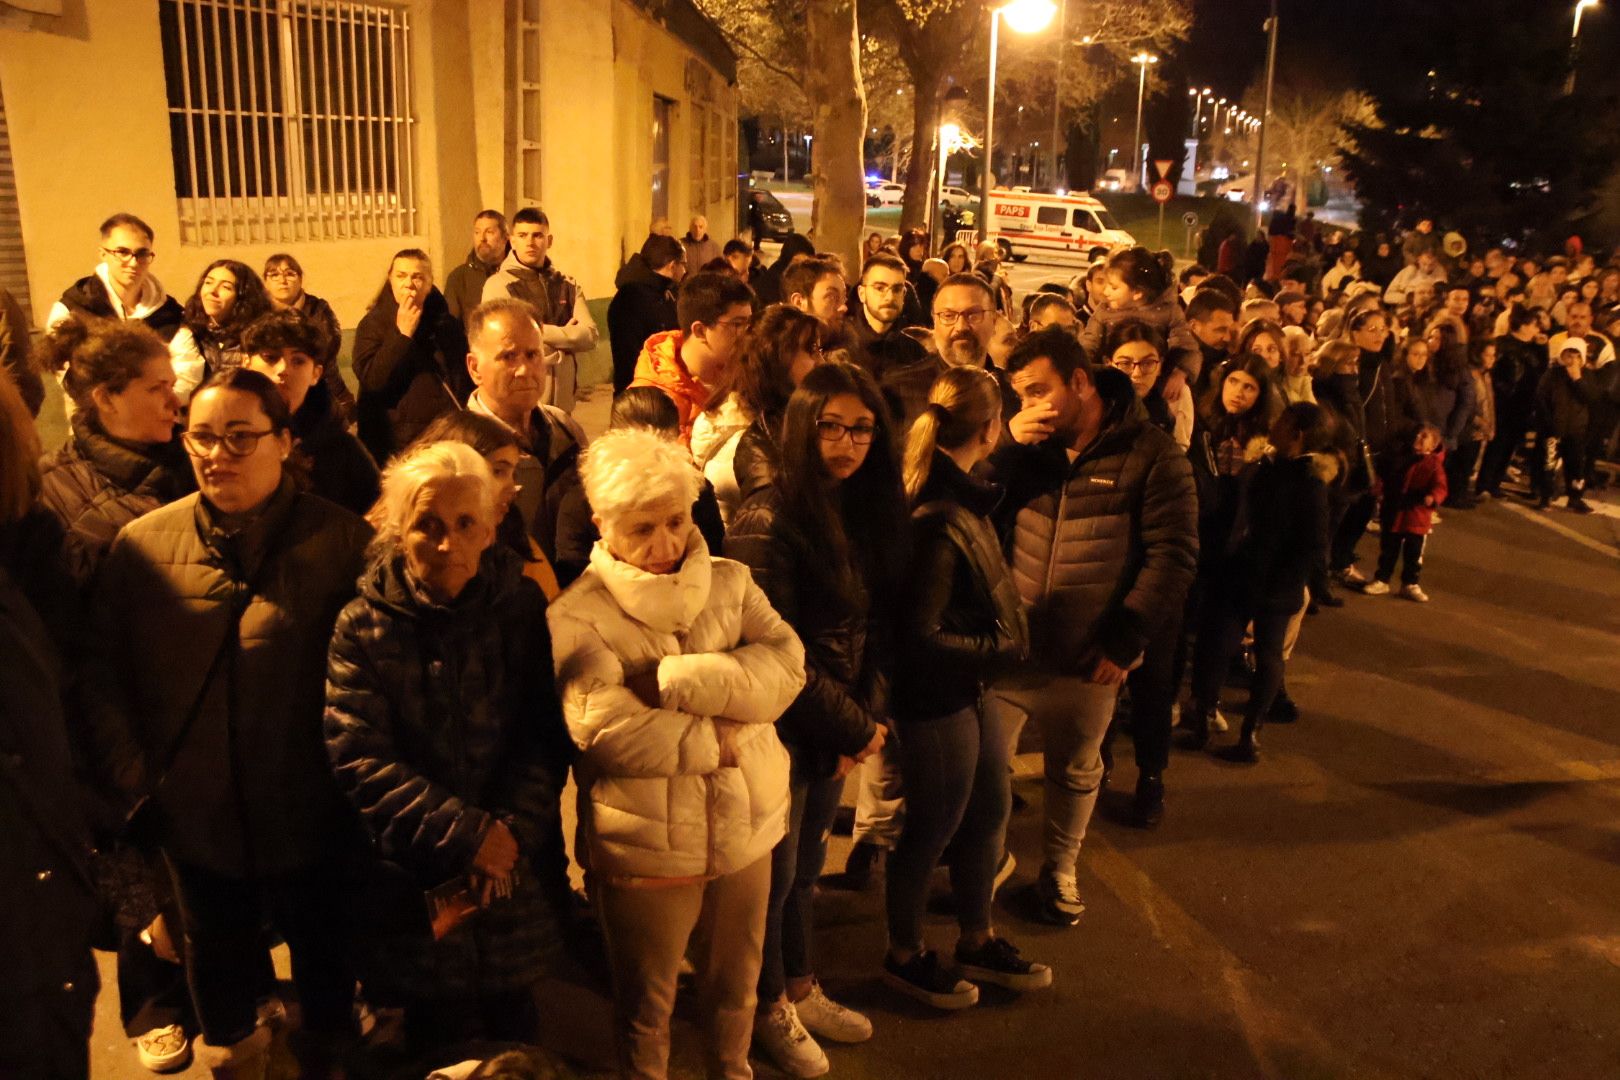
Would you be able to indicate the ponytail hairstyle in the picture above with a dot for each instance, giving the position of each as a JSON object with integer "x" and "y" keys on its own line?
{"x": 98, "y": 354}
{"x": 1143, "y": 271}
{"x": 962, "y": 401}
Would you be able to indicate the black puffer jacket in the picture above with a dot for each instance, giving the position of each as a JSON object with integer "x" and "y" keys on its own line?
{"x": 341, "y": 470}
{"x": 845, "y": 637}
{"x": 250, "y": 792}
{"x": 756, "y": 462}
{"x": 1104, "y": 547}
{"x": 643, "y": 306}
{"x": 440, "y": 719}
{"x": 95, "y": 485}
{"x": 1285, "y": 532}
{"x": 1563, "y": 405}
{"x": 960, "y": 618}
{"x": 407, "y": 382}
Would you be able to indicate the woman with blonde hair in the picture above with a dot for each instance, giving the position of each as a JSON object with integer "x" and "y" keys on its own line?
{"x": 961, "y": 621}
{"x": 673, "y": 669}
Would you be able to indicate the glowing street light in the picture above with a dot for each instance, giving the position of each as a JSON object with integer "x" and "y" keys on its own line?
{"x": 1141, "y": 60}
{"x": 1575, "y": 42}
{"x": 1026, "y": 17}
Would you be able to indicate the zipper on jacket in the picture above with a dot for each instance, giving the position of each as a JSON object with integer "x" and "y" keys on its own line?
{"x": 710, "y": 799}
{"x": 1057, "y": 529}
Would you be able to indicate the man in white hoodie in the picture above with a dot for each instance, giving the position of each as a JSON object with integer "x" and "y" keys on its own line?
{"x": 122, "y": 287}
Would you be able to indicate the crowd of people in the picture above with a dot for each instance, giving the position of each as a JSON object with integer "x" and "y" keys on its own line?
{"x": 288, "y": 663}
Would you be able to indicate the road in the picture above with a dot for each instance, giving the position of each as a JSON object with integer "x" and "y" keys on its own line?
{"x": 1418, "y": 881}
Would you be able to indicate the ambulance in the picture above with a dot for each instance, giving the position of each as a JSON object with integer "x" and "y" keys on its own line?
{"x": 1053, "y": 228}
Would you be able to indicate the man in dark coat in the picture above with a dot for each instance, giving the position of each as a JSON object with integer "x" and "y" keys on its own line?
{"x": 644, "y": 304}
{"x": 1101, "y": 520}
{"x": 464, "y": 289}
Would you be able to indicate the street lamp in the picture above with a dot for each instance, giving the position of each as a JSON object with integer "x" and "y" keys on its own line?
{"x": 1026, "y": 17}
{"x": 1141, "y": 60}
{"x": 1575, "y": 42}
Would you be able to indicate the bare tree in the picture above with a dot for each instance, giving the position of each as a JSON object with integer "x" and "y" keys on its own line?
{"x": 838, "y": 104}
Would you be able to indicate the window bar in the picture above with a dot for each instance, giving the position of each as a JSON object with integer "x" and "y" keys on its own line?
{"x": 293, "y": 123}
{"x": 270, "y": 29}
{"x": 368, "y": 92}
{"x": 217, "y": 182}
{"x": 254, "y": 33}
{"x": 309, "y": 141}
{"x": 186, "y": 113}
{"x": 391, "y": 115}
{"x": 351, "y": 124}
{"x": 325, "y": 179}
{"x": 240, "y": 222}
{"x": 402, "y": 103}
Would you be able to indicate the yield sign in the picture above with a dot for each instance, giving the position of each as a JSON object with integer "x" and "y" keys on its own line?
{"x": 1163, "y": 167}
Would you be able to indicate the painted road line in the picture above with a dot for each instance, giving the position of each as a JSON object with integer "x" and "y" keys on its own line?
{"x": 1541, "y": 518}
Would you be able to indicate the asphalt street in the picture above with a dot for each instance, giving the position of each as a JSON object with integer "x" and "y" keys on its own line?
{"x": 1418, "y": 880}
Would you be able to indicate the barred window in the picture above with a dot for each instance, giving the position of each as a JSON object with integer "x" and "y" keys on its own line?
{"x": 289, "y": 120}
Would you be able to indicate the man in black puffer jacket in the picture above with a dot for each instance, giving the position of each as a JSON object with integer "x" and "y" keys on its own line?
{"x": 1102, "y": 532}
{"x": 644, "y": 303}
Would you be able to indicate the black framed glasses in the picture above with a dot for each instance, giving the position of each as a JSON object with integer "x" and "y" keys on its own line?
{"x": 832, "y": 431}
{"x": 237, "y": 443}
{"x": 972, "y": 316}
{"x": 124, "y": 255}
{"x": 1144, "y": 365}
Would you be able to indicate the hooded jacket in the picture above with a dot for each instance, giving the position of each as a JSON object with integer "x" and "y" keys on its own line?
{"x": 660, "y": 803}
{"x": 644, "y": 305}
{"x": 558, "y": 302}
{"x": 440, "y": 719}
{"x": 961, "y": 618}
{"x": 407, "y": 382}
{"x": 341, "y": 469}
{"x": 1104, "y": 546}
{"x": 660, "y": 365}
{"x": 1414, "y": 484}
{"x": 1564, "y": 405}
{"x": 1165, "y": 315}
{"x": 1285, "y": 532}
{"x": 250, "y": 792}
{"x": 96, "y": 484}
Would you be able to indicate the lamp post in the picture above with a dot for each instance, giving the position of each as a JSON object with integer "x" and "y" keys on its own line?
{"x": 1575, "y": 43}
{"x": 1138, "y": 158}
{"x": 1026, "y": 17}
{"x": 1265, "y": 113}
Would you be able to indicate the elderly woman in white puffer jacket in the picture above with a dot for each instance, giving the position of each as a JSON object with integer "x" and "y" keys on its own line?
{"x": 673, "y": 668}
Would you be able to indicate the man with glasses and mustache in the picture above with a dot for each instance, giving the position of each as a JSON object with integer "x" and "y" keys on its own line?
{"x": 124, "y": 288}
{"x": 508, "y": 366}
{"x": 964, "y": 326}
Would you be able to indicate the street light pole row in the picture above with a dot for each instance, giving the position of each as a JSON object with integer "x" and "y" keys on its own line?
{"x": 1026, "y": 17}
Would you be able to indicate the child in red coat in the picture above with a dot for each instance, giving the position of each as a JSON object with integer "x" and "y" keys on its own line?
{"x": 1414, "y": 483}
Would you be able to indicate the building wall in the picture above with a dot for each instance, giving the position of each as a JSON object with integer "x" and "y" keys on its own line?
{"x": 86, "y": 146}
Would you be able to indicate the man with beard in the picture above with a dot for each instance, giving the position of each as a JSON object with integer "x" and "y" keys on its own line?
{"x": 876, "y": 330}
{"x": 1212, "y": 318}
{"x": 465, "y": 289}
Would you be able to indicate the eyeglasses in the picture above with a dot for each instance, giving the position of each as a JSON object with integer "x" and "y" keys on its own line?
{"x": 124, "y": 255}
{"x": 268, "y": 274}
{"x": 733, "y": 324}
{"x": 832, "y": 431}
{"x": 201, "y": 444}
{"x": 950, "y": 318}
{"x": 885, "y": 290}
{"x": 1144, "y": 365}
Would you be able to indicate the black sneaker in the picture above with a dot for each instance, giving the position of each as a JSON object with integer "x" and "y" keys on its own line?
{"x": 922, "y": 977}
{"x": 1058, "y": 898}
{"x": 1579, "y": 506}
{"x": 1149, "y": 805}
{"x": 1245, "y": 752}
{"x": 997, "y": 962}
{"x": 1284, "y": 710}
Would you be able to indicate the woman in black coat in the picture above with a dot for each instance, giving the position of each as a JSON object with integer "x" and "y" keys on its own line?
{"x": 1274, "y": 548}
{"x": 822, "y": 542}
{"x": 961, "y": 620}
{"x": 444, "y": 730}
{"x": 287, "y": 348}
{"x": 410, "y": 356}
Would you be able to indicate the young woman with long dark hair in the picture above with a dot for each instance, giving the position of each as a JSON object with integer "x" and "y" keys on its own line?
{"x": 229, "y": 296}
{"x": 825, "y": 542}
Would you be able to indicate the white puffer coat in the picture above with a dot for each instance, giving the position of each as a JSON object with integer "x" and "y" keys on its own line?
{"x": 661, "y": 805}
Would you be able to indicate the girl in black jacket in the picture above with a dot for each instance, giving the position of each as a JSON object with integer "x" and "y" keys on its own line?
{"x": 822, "y": 543}
{"x": 1269, "y": 556}
{"x": 961, "y": 620}
{"x": 229, "y": 296}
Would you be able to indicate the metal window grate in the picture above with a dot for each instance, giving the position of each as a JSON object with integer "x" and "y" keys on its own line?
{"x": 289, "y": 120}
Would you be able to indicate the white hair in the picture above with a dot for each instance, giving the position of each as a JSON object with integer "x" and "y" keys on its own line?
{"x": 417, "y": 468}
{"x": 632, "y": 468}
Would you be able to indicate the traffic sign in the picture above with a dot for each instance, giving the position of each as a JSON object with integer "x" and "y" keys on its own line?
{"x": 1190, "y": 219}
{"x": 1163, "y": 167}
{"x": 1162, "y": 191}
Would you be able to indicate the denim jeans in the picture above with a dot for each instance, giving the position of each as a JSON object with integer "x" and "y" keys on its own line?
{"x": 1219, "y": 638}
{"x": 796, "y": 863}
{"x": 1072, "y": 716}
{"x": 958, "y": 795}
{"x": 880, "y": 798}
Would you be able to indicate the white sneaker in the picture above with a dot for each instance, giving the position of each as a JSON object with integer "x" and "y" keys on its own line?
{"x": 826, "y": 1019}
{"x": 1217, "y": 722}
{"x": 164, "y": 1049}
{"x": 1415, "y": 593}
{"x": 1375, "y": 588}
{"x": 780, "y": 1036}
{"x": 1351, "y": 576}
{"x": 1004, "y": 870}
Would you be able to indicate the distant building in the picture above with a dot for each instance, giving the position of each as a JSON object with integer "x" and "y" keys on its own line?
{"x": 343, "y": 132}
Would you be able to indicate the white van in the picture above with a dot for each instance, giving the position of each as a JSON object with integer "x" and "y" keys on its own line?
{"x": 1055, "y": 228}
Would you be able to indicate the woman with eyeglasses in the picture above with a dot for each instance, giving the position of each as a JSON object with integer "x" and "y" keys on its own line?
{"x": 228, "y": 297}
{"x": 207, "y": 685}
{"x": 284, "y": 281}
{"x": 826, "y": 543}
{"x": 1136, "y": 348}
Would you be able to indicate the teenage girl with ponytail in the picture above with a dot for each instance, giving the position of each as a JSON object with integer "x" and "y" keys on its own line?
{"x": 961, "y": 621}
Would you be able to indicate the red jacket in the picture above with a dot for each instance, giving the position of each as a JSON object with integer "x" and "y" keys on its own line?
{"x": 660, "y": 365}
{"x": 1414, "y": 484}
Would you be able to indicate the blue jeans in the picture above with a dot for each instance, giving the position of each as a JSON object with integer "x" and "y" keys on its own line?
{"x": 795, "y": 865}
{"x": 958, "y": 795}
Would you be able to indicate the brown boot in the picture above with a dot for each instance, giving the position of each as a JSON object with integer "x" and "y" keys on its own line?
{"x": 245, "y": 1060}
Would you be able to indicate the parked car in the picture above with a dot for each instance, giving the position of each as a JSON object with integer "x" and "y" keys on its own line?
{"x": 885, "y": 193}
{"x": 1114, "y": 180}
{"x": 1237, "y": 188}
{"x": 955, "y": 196}
{"x": 772, "y": 222}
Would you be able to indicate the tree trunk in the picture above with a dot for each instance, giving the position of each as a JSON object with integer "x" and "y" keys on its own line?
{"x": 838, "y": 105}
{"x": 920, "y": 170}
